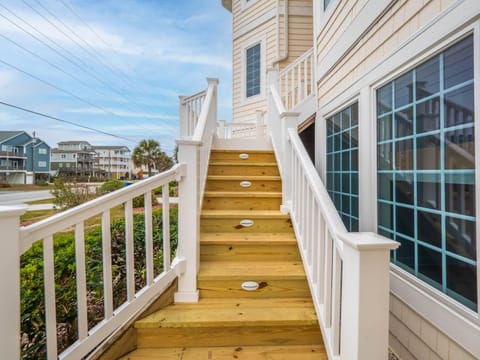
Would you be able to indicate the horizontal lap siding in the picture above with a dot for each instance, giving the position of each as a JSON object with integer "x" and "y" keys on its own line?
{"x": 399, "y": 24}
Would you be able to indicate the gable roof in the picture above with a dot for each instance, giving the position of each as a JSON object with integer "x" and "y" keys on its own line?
{"x": 5, "y": 135}
{"x": 73, "y": 142}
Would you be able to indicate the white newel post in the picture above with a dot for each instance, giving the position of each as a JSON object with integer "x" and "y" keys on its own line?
{"x": 365, "y": 296}
{"x": 288, "y": 121}
{"x": 188, "y": 253}
{"x": 221, "y": 129}
{"x": 10, "y": 281}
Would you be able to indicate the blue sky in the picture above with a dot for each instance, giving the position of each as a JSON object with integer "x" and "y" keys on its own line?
{"x": 124, "y": 77}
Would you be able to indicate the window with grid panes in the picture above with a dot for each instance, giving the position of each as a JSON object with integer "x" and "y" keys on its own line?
{"x": 426, "y": 171}
{"x": 253, "y": 70}
{"x": 342, "y": 164}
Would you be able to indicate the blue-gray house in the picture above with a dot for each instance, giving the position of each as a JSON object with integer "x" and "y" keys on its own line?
{"x": 23, "y": 158}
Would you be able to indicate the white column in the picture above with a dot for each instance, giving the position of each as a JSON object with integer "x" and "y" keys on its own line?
{"x": 182, "y": 116}
{"x": 365, "y": 296}
{"x": 288, "y": 121}
{"x": 188, "y": 253}
{"x": 10, "y": 281}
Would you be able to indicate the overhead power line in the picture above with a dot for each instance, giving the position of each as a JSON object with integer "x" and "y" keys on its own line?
{"x": 65, "y": 121}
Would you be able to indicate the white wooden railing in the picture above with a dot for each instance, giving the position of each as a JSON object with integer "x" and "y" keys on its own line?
{"x": 348, "y": 273}
{"x": 243, "y": 130}
{"x": 296, "y": 81}
{"x": 191, "y": 173}
{"x": 190, "y": 109}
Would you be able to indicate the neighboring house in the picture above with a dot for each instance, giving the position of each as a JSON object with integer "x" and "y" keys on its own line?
{"x": 73, "y": 158}
{"x": 392, "y": 136}
{"x": 115, "y": 160}
{"x": 23, "y": 157}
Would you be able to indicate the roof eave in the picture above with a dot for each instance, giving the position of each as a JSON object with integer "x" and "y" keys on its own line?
{"x": 227, "y": 4}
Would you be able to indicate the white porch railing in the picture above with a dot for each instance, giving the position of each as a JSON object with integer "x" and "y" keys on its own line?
{"x": 15, "y": 240}
{"x": 243, "y": 130}
{"x": 348, "y": 273}
{"x": 190, "y": 109}
{"x": 296, "y": 81}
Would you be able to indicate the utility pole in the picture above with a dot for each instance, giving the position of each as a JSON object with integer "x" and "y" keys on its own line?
{"x": 34, "y": 141}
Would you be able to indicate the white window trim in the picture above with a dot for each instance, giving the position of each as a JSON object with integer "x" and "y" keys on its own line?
{"x": 262, "y": 40}
{"x": 322, "y": 15}
{"x": 450, "y": 317}
{"x": 246, "y": 4}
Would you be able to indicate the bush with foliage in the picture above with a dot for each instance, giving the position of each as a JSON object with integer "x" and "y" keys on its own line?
{"x": 110, "y": 185}
{"x": 32, "y": 281}
{"x": 66, "y": 196}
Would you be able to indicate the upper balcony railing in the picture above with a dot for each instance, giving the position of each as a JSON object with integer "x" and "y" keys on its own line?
{"x": 12, "y": 167}
{"x": 243, "y": 130}
{"x": 296, "y": 81}
{"x": 348, "y": 273}
{"x": 77, "y": 222}
{"x": 13, "y": 154}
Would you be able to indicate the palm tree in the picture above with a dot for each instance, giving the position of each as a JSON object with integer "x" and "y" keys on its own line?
{"x": 148, "y": 153}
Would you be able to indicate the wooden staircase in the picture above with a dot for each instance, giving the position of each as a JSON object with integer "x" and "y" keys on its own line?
{"x": 278, "y": 320}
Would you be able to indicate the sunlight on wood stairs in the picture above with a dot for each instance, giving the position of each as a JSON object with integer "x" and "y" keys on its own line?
{"x": 278, "y": 320}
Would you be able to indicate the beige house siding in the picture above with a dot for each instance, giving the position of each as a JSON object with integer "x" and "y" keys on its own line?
{"x": 413, "y": 337}
{"x": 395, "y": 27}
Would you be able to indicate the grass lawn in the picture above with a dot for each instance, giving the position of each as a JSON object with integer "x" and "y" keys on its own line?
{"x": 37, "y": 202}
{"x": 23, "y": 187}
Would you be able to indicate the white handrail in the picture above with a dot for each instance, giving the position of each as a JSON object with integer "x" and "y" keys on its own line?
{"x": 348, "y": 273}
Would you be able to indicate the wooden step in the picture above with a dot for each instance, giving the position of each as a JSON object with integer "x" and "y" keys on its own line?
{"x": 271, "y": 239}
{"x": 229, "y": 221}
{"x": 232, "y": 183}
{"x": 231, "y": 322}
{"x": 230, "y": 200}
{"x": 234, "y": 155}
{"x": 285, "y": 352}
{"x": 245, "y": 169}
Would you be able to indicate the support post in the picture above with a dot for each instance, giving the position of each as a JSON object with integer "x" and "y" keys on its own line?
{"x": 188, "y": 251}
{"x": 365, "y": 296}
{"x": 221, "y": 129}
{"x": 10, "y": 281}
{"x": 183, "y": 116}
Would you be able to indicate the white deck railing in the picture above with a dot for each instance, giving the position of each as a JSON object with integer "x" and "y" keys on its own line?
{"x": 193, "y": 162}
{"x": 348, "y": 273}
{"x": 243, "y": 130}
{"x": 296, "y": 81}
{"x": 190, "y": 109}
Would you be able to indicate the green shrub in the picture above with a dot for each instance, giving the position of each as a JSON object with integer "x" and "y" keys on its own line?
{"x": 68, "y": 196}
{"x": 139, "y": 201}
{"x": 111, "y": 185}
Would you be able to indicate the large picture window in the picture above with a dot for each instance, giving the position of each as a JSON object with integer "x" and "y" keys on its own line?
{"x": 253, "y": 70}
{"x": 342, "y": 164}
{"x": 426, "y": 171}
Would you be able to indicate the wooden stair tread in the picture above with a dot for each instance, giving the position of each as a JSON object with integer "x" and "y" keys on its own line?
{"x": 250, "y": 194}
{"x": 232, "y": 214}
{"x": 254, "y": 151}
{"x": 239, "y": 164}
{"x": 244, "y": 177}
{"x": 241, "y": 270}
{"x": 283, "y": 352}
{"x": 248, "y": 238}
{"x": 233, "y": 313}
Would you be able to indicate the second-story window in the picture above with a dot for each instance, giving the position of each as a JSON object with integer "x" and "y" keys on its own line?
{"x": 326, "y": 3}
{"x": 42, "y": 151}
{"x": 253, "y": 70}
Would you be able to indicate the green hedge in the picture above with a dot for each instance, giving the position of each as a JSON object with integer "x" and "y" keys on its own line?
{"x": 32, "y": 280}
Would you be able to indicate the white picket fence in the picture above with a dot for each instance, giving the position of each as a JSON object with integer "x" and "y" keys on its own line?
{"x": 194, "y": 150}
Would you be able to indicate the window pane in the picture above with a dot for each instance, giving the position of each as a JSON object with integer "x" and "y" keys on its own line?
{"x": 458, "y": 63}
{"x": 428, "y": 78}
{"x": 430, "y": 263}
{"x": 404, "y": 221}
{"x": 429, "y": 191}
{"x": 459, "y": 149}
{"x": 462, "y": 278}
{"x": 253, "y": 71}
{"x": 403, "y": 90}
{"x": 459, "y": 106}
{"x": 430, "y": 228}
{"x": 404, "y": 188}
{"x": 428, "y": 115}
{"x": 428, "y": 152}
{"x": 460, "y": 193}
{"x": 384, "y": 128}
{"x": 385, "y": 156}
{"x": 403, "y": 122}
{"x": 385, "y": 215}
{"x": 461, "y": 237}
{"x": 384, "y": 99}
{"x": 385, "y": 187}
{"x": 406, "y": 252}
{"x": 404, "y": 155}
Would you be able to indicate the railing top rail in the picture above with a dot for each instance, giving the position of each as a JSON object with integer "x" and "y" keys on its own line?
{"x": 59, "y": 222}
{"x": 277, "y": 99}
{"x": 298, "y": 60}
{"x": 202, "y": 119}
{"x": 194, "y": 96}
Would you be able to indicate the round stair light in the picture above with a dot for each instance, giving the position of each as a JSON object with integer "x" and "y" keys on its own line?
{"x": 246, "y": 222}
{"x": 243, "y": 156}
{"x": 250, "y": 285}
{"x": 245, "y": 184}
